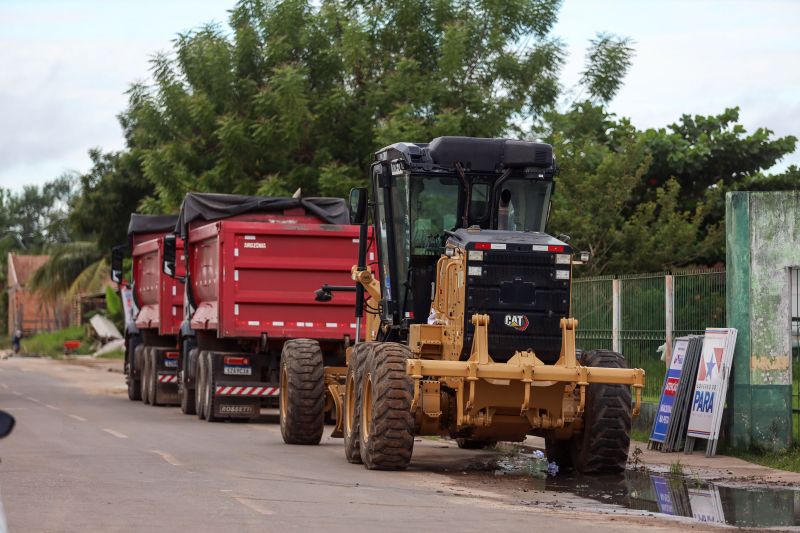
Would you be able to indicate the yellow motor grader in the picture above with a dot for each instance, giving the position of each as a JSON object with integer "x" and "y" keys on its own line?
{"x": 468, "y": 327}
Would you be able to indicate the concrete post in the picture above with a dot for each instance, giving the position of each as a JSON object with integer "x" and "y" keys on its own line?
{"x": 669, "y": 316}
{"x": 616, "y": 315}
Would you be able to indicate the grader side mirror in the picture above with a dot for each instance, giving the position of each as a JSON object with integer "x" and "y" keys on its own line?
{"x": 169, "y": 255}
{"x": 117, "y": 255}
{"x": 358, "y": 205}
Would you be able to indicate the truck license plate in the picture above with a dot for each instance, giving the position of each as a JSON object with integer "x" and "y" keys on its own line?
{"x": 171, "y": 363}
{"x": 238, "y": 410}
{"x": 237, "y": 371}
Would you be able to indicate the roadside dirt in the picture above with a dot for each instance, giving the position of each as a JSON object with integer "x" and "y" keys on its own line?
{"x": 94, "y": 376}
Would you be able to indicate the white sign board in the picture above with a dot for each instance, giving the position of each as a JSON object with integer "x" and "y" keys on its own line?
{"x": 706, "y": 505}
{"x": 712, "y": 385}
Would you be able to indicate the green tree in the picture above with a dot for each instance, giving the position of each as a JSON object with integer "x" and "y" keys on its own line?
{"x": 107, "y": 194}
{"x": 300, "y": 94}
{"x": 614, "y": 199}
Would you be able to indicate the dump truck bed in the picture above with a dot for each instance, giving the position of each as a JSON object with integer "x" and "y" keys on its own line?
{"x": 256, "y": 274}
{"x": 158, "y": 296}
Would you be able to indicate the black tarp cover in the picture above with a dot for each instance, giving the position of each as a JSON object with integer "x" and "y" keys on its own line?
{"x": 151, "y": 223}
{"x": 211, "y": 206}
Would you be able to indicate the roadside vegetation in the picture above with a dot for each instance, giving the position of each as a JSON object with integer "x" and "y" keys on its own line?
{"x": 52, "y": 344}
{"x": 116, "y": 354}
{"x": 788, "y": 460}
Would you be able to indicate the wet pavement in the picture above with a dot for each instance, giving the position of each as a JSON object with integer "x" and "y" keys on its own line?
{"x": 652, "y": 492}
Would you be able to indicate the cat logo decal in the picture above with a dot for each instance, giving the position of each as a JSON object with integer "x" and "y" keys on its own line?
{"x": 518, "y": 322}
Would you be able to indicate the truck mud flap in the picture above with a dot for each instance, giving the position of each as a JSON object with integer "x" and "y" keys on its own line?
{"x": 258, "y": 394}
{"x": 167, "y": 388}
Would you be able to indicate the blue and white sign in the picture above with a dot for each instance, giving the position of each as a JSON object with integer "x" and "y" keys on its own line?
{"x": 673, "y": 379}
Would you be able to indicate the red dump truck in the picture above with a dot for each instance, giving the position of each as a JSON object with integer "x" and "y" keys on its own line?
{"x": 252, "y": 265}
{"x": 154, "y": 311}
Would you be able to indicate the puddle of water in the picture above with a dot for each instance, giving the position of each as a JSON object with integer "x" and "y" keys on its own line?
{"x": 661, "y": 493}
{"x": 679, "y": 496}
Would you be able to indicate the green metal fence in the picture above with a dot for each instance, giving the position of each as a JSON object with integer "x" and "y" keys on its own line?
{"x": 649, "y": 309}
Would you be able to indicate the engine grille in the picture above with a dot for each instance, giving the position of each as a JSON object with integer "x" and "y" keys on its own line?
{"x": 524, "y": 300}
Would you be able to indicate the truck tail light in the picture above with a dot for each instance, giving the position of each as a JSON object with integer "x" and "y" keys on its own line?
{"x": 558, "y": 249}
{"x": 171, "y": 355}
{"x": 483, "y": 246}
{"x": 237, "y": 361}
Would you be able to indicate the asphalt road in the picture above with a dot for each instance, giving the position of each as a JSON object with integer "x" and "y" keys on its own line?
{"x": 97, "y": 462}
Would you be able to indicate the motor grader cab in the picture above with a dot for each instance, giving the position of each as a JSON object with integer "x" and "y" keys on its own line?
{"x": 468, "y": 324}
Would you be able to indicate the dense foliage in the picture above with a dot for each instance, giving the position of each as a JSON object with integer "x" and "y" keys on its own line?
{"x": 299, "y": 94}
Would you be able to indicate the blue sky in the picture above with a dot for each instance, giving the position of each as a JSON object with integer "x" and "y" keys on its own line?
{"x": 65, "y": 66}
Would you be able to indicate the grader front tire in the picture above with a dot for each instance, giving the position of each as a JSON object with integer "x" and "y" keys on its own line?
{"x": 354, "y": 384}
{"x": 302, "y": 396}
{"x": 387, "y": 424}
{"x": 603, "y": 446}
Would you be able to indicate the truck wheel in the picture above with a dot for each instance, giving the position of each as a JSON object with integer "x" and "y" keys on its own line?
{"x": 352, "y": 400}
{"x": 187, "y": 394}
{"x": 146, "y": 376}
{"x": 208, "y": 401}
{"x": 387, "y": 424}
{"x": 474, "y": 444}
{"x": 603, "y": 446}
{"x": 134, "y": 385}
{"x": 155, "y": 399}
{"x": 200, "y": 389}
{"x": 302, "y": 396}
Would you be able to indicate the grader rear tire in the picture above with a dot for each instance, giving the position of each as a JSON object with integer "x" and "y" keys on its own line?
{"x": 302, "y": 396}
{"x": 362, "y": 353}
{"x": 474, "y": 444}
{"x": 387, "y": 424}
{"x": 603, "y": 446}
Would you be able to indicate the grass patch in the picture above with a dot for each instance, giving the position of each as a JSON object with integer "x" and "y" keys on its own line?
{"x": 52, "y": 344}
{"x": 5, "y": 343}
{"x": 119, "y": 353}
{"x": 788, "y": 460}
{"x": 640, "y": 435}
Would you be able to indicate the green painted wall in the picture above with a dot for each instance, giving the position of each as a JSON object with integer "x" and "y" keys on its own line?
{"x": 763, "y": 242}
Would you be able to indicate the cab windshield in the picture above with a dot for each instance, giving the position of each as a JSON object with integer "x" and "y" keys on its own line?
{"x": 523, "y": 204}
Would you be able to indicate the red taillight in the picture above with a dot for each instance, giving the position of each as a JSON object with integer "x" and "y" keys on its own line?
{"x": 171, "y": 355}
{"x": 237, "y": 361}
{"x": 483, "y": 246}
{"x": 558, "y": 249}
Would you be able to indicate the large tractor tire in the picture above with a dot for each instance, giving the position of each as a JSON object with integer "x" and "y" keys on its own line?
{"x": 188, "y": 402}
{"x": 146, "y": 375}
{"x": 134, "y": 385}
{"x": 603, "y": 446}
{"x": 200, "y": 385}
{"x": 354, "y": 385}
{"x": 302, "y": 395}
{"x": 208, "y": 401}
{"x": 387, "y": 424}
